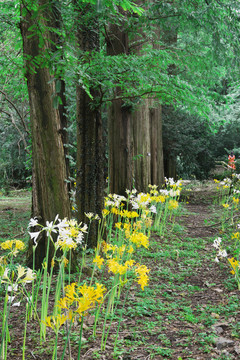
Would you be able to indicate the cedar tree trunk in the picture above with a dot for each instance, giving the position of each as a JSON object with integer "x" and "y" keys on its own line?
{"x": 50, "y": 194}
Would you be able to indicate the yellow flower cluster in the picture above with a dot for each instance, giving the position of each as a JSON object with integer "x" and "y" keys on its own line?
{"x": 225, "y": 206}
{"x": 235, "y": 200}
{"x": 139, "y": 239}
{"x": 55, "y": 322}
{"x": 234, "y": 264}
{"x": 79, "y": 300}
{"x": 98, "y": 260}
{"x": 173, "y": 204}
{"x": 142, "y": 271}
{"x": 158, "y": 198}
{"x": 235, "y": 235}
{"x": 12, "y": 245}
{"x": 116, "y": 268}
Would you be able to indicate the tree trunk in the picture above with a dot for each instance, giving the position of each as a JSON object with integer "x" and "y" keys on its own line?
{"x": 142, "y": 146}
{"x": 120, "y": 148}
{"x": 135, "y": 135}
{"x": 90, "y": 156}
{"x": 157, "y": 167}
{"x": 50, "y": 193}
{"x": 119, "y": 125}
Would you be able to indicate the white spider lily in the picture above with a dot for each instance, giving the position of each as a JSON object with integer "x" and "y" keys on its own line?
{"x": 89, "y": 215}
{"x": 5, "y": 274}
{"x": 30, "y": 276}
{"x": 11, "y": 288}
{"x": 217, "y": 243}
{"x": 21, "y": 271}
{"x": 79, "y": 238}
{"x": 84, "y": 228}
{"x": 33, "y": 222}
{"x": 222, "y": 253}
{"x": 153, "y": 209}
{"x": 34, "y": 236}
{"x": 16, "y": 304}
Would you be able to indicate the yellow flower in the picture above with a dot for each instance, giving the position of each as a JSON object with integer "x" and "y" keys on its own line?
{"x": 55, "y": 322}
{"x": 235, "y": 200}
{"x": 121, "y": 250}
{"x": 63, "y": 303}
{"x": 99, "y": 261}
{"x": 66, "y": 243}
{"x": 129, "y": 263}
{"x": 122, "y": 269}
{"x": 113, "y": 266}
{"x": 160, "y": 198}
{"x": 105, "y": 212}
{"x": 19, "y": 244}
{"x": 114, "y": 211}
{"x": 139, "y": 239}
{"x": 7, "y": 245}
{"x": 65, "y": 262}
{"x": 173, "y": 204}
{"x": 235, "y": 265}
{"x": 225, "y": 206}
{"x": 131, "y": 249}
{"x": 216, "y": 181}
{"x": 148, "y": 222}
{"x": 137, "y": 225}
{"x": 235, "y": 235}
{"x": 118, "y": 225}
{"x": 10, "y": 244}
{"x": 142, "y": 271}
{"x": 129, "y": 214}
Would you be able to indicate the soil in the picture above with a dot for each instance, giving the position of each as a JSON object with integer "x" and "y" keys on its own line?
{"x": 165, "y": 326}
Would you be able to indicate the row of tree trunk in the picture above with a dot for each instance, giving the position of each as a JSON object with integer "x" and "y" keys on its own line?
{"x": 135, "y": 137}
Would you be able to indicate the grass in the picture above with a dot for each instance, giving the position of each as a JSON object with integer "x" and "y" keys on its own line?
{"x": 15, "y": 215}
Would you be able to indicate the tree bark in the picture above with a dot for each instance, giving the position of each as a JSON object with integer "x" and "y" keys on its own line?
{"x": 157, "y": 166}
{"x": 90, "y": 154}
{"x": 50, "y": 194}
{"x": 119, "y": 125}
{"x": 135, "y": 135}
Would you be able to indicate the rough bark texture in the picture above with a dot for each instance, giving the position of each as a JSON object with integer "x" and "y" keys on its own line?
{"x": 120, "y": 125}
{"x": 90, "y": 163}
{"x": 135, "y": 137}
{"x": 120, "y": 148}
{"x": 50, "y": 193}
{"x": 157, "y": 168}
{"x": 142, "y": 146}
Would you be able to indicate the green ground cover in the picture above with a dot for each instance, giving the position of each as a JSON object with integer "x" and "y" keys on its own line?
{"x": 189, "y": 310}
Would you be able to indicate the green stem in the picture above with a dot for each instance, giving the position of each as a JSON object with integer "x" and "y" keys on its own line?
{"x": 25, "y": 333}
{"x": 80, "y": 340}
{"x": 67, "y": 340}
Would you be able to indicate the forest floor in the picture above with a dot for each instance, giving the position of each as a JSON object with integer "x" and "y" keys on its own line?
{"x": 190, "y": 310}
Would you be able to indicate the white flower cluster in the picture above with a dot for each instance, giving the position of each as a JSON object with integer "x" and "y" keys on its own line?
{"x": 114, "y": 200}
{"x": 226, "y": 182}
{"x": 221, "y": 252}
{"x": 68, "y": 230}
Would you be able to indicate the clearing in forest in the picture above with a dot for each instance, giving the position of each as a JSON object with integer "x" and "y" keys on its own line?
{"x": 190, "y": 308}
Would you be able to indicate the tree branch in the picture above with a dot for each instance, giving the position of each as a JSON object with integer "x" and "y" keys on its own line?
{"x": 17, "y": 111}
{"x": 18, "y": 130}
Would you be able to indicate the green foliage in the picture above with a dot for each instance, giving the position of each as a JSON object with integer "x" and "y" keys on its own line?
{"x": 187, "y": 60}
{"x": 188, "y": 139}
